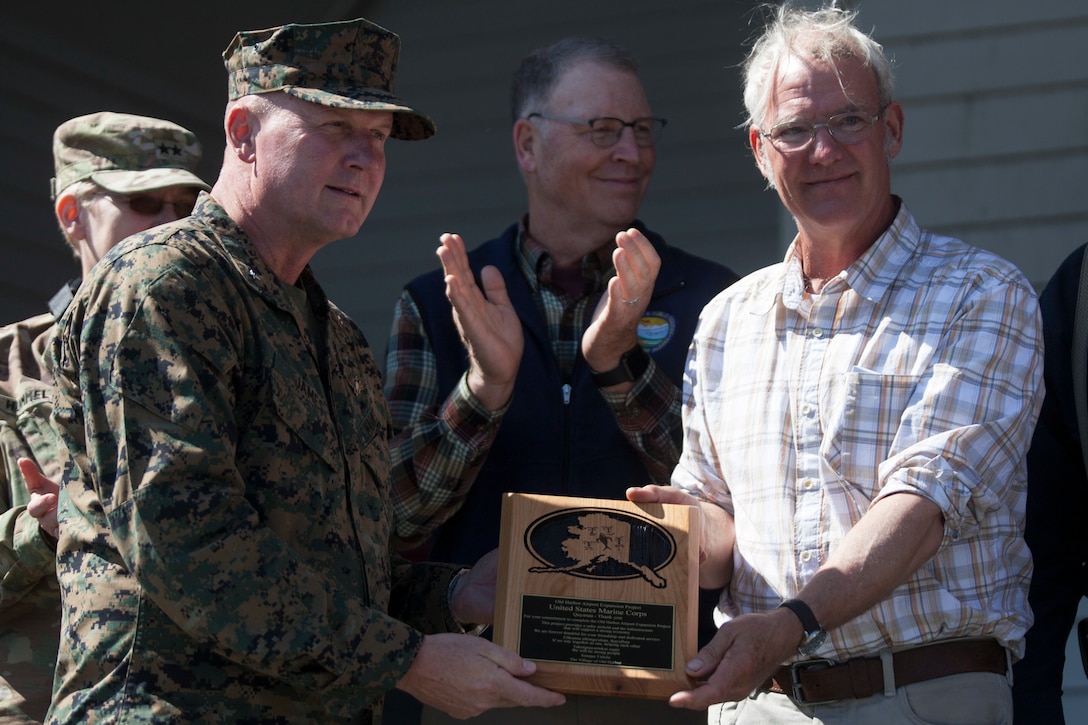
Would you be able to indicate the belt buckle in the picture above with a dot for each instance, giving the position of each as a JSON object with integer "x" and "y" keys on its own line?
{"x": 795, "y": 678}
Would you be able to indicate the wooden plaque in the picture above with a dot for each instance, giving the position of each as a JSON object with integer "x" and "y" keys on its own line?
{"x": 601, "y": 594}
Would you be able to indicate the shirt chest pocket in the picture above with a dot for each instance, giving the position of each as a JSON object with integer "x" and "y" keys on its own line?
{"x": 305, "y": 424}
{"x": 873, "y": 419}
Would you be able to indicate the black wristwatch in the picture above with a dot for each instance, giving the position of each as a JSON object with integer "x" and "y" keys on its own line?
{"x": 632, "y": 365}
{"x": 814, "y": 633}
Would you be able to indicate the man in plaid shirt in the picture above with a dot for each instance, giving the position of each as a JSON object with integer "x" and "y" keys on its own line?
{"x": 855, "y": 424}
{"x": 561, "y": 373}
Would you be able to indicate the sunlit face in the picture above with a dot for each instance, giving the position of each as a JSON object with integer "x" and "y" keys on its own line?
{"x": 829, "y": 186}
{"x": 318, "y": 169}
{"x": 597, "y": 189}
{"x": 106, "y": 218}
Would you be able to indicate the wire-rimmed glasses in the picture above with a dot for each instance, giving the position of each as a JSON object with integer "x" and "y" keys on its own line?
{"x": 607, "y": 131}
{"x": 846, "y": 128}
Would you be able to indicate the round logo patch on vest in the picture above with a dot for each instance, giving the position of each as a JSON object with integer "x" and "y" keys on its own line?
{"x": 655, "y": 329}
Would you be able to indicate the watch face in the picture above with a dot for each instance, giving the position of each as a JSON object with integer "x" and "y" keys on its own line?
{"x": 812, "y": 642}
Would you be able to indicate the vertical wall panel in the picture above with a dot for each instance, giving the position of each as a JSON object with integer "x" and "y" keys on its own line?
{"x": 996, "y": 103}
{"x": 456, "y": 64}
{"x": 995, "y": 95}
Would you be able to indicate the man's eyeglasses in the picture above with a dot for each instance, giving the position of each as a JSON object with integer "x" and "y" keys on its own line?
{"x": 606, "y": 132}
{"x": 147, "y": 205}
{"x": 846, "y": 128}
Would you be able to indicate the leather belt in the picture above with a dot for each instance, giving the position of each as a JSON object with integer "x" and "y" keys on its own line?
{"x": 814, "y": 681}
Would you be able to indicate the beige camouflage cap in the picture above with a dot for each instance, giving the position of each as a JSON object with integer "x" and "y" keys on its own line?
{"x": 350, "y": 64}
{"x": 124, "y": 154}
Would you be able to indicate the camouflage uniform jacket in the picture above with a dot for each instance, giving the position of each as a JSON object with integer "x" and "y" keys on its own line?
{"x": 29, "y": 598}
{"x": 224, "y": 547}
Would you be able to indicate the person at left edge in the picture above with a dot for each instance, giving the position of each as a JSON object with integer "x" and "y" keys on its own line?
{"x": 224, "y": 550}
{"x": 116, "y": 174}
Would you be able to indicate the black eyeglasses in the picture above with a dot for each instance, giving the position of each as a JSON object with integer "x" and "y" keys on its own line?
{"x": 846, "y": 128}
{"x": 606, "y": 132}
{"x": 147, "y": 205}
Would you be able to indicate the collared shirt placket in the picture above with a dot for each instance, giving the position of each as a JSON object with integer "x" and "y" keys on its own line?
{"x": 809, "y": 342}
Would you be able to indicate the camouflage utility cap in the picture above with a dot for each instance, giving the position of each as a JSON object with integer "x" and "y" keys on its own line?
{"x": 350, "y": 64}
{"x": 124, "y": 154}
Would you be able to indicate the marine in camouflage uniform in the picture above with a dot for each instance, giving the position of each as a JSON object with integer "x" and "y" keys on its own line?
{"x": 227, "y": 560}
{"x": 225, "y": 550}
{"x": 92, "y": 154}
{"x": 29, "y": 598}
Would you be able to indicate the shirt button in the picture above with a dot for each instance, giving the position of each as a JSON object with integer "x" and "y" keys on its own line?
{"x": 806, "y": 555}
{"x": 817, "y": 332}
{"x": 807, "y": 484}
{"x": 806, "y": 409}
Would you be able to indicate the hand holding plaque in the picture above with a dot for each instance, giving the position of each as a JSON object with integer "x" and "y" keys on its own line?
{"x": 601, "y": 594}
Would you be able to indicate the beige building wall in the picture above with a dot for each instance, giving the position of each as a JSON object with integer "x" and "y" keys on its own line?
{"x": 996, "y": 150}
{"x": 995, "y": 92}
{"x": 996, "y": 102}
{"x": 457, "y": 61}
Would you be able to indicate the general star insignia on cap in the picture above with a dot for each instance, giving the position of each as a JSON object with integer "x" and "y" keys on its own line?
{"x": 124, "y": 154}
{"x": 350, "y": 64}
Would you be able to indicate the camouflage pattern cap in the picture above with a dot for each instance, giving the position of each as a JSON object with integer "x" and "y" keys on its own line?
{"x": 349, "y": 64}
{"x": 124, "y": 154}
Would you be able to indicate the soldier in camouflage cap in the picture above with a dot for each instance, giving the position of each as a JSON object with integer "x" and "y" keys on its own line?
{"x": 125, "y": 154}
{"x": 116, "y": 174}
{"x": 345, "y": 65}
{"x": 225, "y": 551}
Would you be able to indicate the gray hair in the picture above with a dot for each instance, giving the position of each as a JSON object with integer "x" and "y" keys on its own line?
{"x": 827, "y": 35}
{"x": 540, "y": 71}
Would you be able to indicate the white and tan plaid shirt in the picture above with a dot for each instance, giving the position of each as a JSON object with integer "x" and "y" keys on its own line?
{"x": 918, "y": 369}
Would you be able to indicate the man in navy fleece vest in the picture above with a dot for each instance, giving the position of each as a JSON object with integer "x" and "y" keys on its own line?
{"x": 560, "y": 370}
